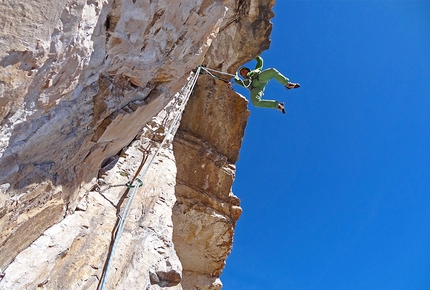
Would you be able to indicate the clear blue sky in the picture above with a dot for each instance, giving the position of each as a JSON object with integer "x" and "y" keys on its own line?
{"x": 336, "y": 193}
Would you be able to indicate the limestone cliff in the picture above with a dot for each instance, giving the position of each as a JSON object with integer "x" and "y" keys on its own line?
{"x": 90, "y": 95}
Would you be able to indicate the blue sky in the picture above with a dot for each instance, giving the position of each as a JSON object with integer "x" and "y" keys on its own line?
{"x": 336, "y": 193}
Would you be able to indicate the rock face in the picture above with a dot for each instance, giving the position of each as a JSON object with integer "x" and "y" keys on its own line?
{"x": 206, "y": 148}
{"x": 91, "y": 98}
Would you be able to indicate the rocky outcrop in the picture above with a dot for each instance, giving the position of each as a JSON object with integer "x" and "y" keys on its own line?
{"x": 90, "y": 91}
{"x": 206, "y": 148}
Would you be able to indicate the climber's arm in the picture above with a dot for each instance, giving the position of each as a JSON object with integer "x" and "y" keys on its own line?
{"x": 258, "y": 67}
{"x": 238, "y": 81}
{"x": 259, "y": 64}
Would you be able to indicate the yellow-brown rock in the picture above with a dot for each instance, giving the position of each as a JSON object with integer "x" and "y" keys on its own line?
{"x": 206, "y": 147}
{"x": 88, "y": 91}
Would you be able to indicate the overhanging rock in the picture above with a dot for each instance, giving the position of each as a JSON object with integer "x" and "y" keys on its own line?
{"x": 87, "y": 92}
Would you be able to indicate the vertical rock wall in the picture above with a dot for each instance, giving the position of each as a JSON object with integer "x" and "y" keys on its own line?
{"x": 88, "y": 90}
{"x": 72, "y": 254}
{"x": 206, "y": 148}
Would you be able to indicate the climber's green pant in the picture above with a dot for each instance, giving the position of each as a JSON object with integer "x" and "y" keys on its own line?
{"x": 260, "y": 82}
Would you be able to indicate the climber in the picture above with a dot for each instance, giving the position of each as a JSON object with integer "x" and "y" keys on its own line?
{"x": 256, "y": 80}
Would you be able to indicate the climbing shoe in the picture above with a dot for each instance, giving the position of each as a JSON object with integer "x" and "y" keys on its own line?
{"x": 281, "y": 108}
{"x": 290, "y": 86}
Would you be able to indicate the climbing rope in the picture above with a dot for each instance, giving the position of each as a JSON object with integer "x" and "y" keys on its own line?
{"x": 120, "y": 225}
{"x": 217, "y": 71}
{"x": 214, "y": 76}
{"x": 209, "y": 70}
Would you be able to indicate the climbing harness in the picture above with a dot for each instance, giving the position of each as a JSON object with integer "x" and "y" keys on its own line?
{"x": 120, "y": 225}
{"x": 247, "y": 85}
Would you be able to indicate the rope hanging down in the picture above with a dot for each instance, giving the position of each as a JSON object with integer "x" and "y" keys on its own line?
{"x": 120, "y": 225}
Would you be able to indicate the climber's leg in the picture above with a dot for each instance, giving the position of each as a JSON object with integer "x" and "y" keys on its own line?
{"x": 256, "y": 99}
{"x": 272, "y": 73}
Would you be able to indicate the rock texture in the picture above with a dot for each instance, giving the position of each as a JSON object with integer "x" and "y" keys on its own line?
{"x": 206, "y": 148}
{"x": 90, "y": 91}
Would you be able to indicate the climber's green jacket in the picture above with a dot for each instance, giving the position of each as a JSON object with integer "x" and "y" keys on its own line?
{"x": 256, "y": 80}
{"x": 250, "y": 75}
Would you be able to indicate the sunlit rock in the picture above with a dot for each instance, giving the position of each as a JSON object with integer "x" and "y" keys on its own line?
{"x": 89, "y": 92}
